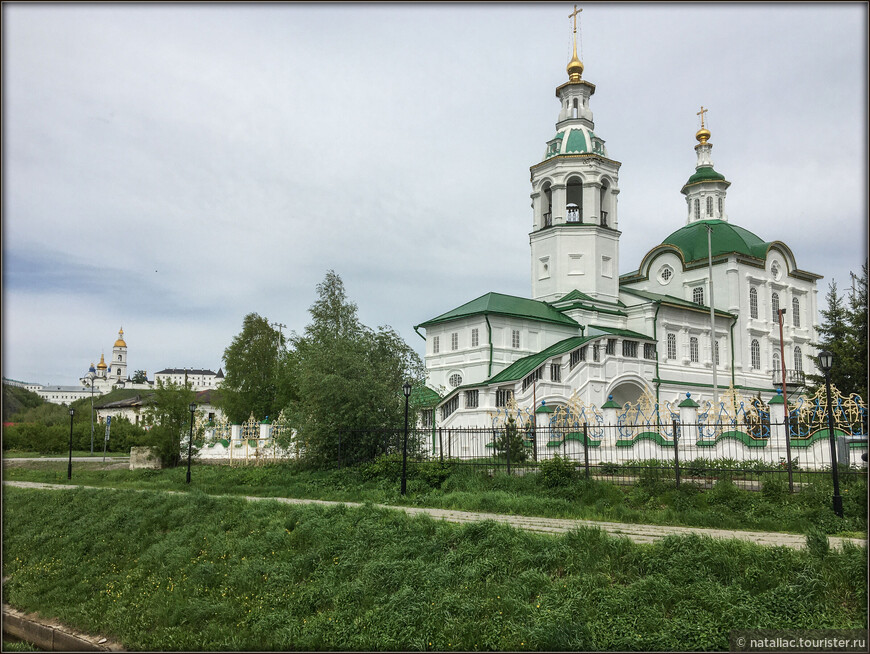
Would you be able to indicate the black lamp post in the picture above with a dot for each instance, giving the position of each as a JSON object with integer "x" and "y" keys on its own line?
{"x": 91, "y": 375}
{"x": 69, "y": 466}
{"x": 192, "y": 408}
{"x": 406, "y": 389}
{"x": 826, "y": 362}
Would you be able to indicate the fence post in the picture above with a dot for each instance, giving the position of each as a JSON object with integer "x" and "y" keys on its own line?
{"x": 507, "y": 440}
{"x": 586, "y": 448}
{"x": 677, "y": 451}
{"x": 440, "y": 445}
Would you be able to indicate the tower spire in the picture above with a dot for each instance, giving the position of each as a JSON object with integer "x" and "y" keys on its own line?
{"x": 575, "y": 66}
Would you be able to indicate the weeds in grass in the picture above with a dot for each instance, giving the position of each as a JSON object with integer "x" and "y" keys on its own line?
{"x": 176, "y": 572}
{"x": 556, "y": 491}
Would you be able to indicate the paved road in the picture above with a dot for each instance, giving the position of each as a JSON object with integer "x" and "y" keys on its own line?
{"x": 96, "y": 457}
{"x": 637, "y": 533}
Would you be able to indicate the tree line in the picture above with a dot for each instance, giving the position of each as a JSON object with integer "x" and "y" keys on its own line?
{"x": 338, "y": 374}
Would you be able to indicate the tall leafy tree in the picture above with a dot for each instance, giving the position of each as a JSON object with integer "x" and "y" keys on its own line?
{"x": 836, "y": 336}
{"x": 253, "y": 363}
{"x": 858, "y": 327}
{"x": 139, "y": 377}
{"x": 347, "y": 376}
{"x": 169, "y": 417}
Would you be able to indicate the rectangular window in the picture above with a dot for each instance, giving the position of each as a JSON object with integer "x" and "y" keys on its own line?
{"x": 596, "y": 352}
{"x": 575, "y": 359}
{"x": 426, "y": 417}
{"x": 454, "y": 341}
{"x": 555, "y": 372}
{"x": 532, "y": 378}
{"x": 629, "y": 349}
{"x": 611, "y": 346}
{"x": 474, "y": 337}
{"x": 693, "y": 349}
{"x": 502, "y": 396}
{"x": 450, "y": 406}
{"x": 515, "y": 339}
{"x": 649, "y": 351}
{"x": 471, "y": 399}
{"x": 672, "y": 346}
{"x": 435, "y": 343}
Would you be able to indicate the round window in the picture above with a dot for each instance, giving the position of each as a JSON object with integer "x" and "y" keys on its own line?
{"x": 455, "y": 379}
{"x": 665, "y": 275}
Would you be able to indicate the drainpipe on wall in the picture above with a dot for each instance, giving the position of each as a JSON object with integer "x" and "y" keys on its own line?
{"x": 489, "y": 335}
{"x": 656, "y": 339}
{"x": 733, "y": 322}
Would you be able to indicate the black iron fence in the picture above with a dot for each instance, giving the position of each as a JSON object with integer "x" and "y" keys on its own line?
{"x": 625, "y": 454}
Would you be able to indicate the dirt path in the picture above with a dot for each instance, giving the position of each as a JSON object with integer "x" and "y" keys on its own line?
{"x": 637, "y": 533}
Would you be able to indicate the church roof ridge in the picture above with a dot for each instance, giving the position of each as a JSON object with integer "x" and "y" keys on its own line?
{"x": 505, "y": 305}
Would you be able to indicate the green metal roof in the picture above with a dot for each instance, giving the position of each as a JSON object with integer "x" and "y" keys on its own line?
{"x": 423, "y": 396}
{"x": 519, "y": 369}
{"x": 674, "y": 301}
{"x": 619, "y": 332}
{"x": 726, "y": 238}
{"x": 505, "y": 305}
{"x": 705, "y": 174}
{"x": 576, "y": 142}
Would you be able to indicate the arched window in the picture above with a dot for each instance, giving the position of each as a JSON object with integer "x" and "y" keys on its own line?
{"x": 776, "y": 362}
{"x": 755, "y": 352}
{"x": 709, "y": 206}
{"x": 603, "y": 203}
{"x": 698, "y": 295}
{"x": 574, "y": 109}
{"x": 753, "y": 303}
{"x": 697, "y": 209}
{"x": 796, "y": 312}
{"x": 574, "y": 195}
{"x": 693, "y": 349}
{"x": 798, "y": 359}
{"x": 720, "y": 208}
{"x": 774, "y": 306}
{"x": 672, "y": 346}
{"x": 548, "y": 206}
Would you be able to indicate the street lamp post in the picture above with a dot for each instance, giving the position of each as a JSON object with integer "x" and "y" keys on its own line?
{"x": 91, "y": 374}
{"x": 192, "y": 408}
{"x": 406, "y": 389}
{"x": 826, "y": 362}
{"x": 780, "y": 313}
{"x": 69, "y": 465}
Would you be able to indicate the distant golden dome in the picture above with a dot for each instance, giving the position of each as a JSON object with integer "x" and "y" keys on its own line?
{"x": 102, "y": 364}
{"x": 120, "y": 342}
{"x": 703, "y": 135}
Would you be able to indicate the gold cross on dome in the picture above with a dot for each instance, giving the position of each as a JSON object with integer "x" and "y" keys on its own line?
{"x": 701, "y": 114}
{"x": 574, "y": 16}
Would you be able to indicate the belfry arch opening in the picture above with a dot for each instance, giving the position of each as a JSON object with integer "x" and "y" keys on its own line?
{"x": 603, "y": 203}
{"x": 547, "y": 206}
{"x": 574, "y": 195}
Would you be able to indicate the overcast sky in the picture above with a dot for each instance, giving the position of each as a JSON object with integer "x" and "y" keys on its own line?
{"x": 172, "y": 168}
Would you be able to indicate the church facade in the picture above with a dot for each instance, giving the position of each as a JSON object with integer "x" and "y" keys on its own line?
{"x": 588, "y": 332}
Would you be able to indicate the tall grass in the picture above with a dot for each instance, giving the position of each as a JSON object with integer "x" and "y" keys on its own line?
{"x": 652, "y": 500}
{"x": 175, "y": 572}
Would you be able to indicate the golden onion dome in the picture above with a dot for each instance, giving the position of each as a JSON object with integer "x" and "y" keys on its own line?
{"x": 575, "y": 66}
{"x": 703, "y": 135}
{"x": 120, "y": 342}
{"x": 102, "y": 364}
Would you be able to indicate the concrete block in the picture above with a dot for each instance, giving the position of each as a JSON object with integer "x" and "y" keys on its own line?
{"x": 144, "y": 457}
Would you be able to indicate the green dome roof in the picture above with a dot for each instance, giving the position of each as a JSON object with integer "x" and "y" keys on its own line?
{"x": 705, "y": 174}
{"x": 575, "y": 139}
{"x": 691, "y": 240}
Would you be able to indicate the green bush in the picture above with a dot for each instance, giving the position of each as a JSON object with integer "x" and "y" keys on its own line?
{"x": 557, "y": 472}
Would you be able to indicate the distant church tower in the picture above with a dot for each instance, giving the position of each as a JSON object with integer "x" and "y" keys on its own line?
{"x": 575, "y": 236}
{"x": 705, "y": 190}
{"x": 118, "y": 369}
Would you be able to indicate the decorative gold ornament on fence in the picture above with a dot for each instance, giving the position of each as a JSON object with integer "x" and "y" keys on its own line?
{"x": 575, "y": 412}
{"x": 849, "y": 412}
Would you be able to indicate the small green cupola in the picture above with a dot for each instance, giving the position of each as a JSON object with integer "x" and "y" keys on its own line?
{"x": 705, "y": 189}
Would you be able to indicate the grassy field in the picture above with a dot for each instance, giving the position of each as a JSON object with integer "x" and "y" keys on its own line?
{"x": 650, "y": 501}
{"x": 174, "y": 572}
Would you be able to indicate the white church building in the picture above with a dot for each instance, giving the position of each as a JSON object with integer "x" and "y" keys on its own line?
{"x": 587, "y": 330}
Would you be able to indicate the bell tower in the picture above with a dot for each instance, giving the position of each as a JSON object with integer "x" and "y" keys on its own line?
{"x": 118, "y": 367}
{"x": 575, "y": 236}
